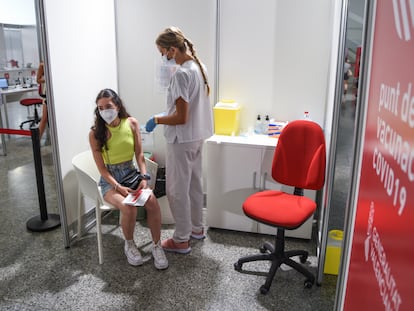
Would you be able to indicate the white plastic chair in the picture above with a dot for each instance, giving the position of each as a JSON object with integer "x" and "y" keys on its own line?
{"x": 88, "y": 178}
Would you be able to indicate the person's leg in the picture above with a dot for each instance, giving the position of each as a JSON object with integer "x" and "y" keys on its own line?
{"x": 128, "y": 220}
{"x": 129, "y": 213}
{"x": 43, "y": 120}
{"x": 178, "y": 173}
{"x": 196, "y": 189}
{"x": 154, "y": 222}
{"x": 154, "y": 218}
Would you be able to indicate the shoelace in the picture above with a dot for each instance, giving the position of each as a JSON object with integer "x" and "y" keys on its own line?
{"x": 134, "y": 250}
{"x": 159, "y": 253}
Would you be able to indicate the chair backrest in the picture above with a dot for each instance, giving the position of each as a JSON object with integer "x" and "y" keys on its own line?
{"x": 300, "y": 156}
{"x": 87, "y": 174}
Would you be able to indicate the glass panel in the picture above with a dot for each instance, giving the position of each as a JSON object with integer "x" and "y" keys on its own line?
{"x": 14, "y": 47}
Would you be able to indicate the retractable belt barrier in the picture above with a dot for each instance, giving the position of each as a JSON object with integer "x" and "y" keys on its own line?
{"x": 11, "y": 132}
{"x": 15, "y": 132}
{"x": 45, "y": 221}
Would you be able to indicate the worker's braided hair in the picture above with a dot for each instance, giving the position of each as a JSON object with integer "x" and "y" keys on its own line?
{"x": 173, "y": 36}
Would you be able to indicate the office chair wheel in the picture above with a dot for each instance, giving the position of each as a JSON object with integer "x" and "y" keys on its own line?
{"x": 266, "y": 247}
{"x": 264, "y": 290}
{"x": 308, "y": 283}
{"x": 238, "y": 266}
{"x": 303, "y": 258}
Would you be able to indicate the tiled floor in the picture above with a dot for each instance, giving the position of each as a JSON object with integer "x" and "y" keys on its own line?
{"x": 38, "y": 273}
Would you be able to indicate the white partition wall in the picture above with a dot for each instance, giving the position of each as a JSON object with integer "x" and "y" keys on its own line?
{"x": 81, "y": 61}
{"x": 247, "y": 40}
{"x": 303, "y": 51}
{"x": 138, "y": 24}
{"x": 274, "y": 57}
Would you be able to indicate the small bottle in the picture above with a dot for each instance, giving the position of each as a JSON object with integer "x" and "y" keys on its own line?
{"x": 306, "y": 116}
{"x": 258, "y": 125}
{"x": 265, "y": 125}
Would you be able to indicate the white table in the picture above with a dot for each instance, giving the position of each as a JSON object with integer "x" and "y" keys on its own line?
{"x": 4, "y": 94}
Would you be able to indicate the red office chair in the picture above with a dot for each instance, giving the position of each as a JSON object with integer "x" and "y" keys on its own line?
{"x": 35, "y": 102}
{"x": 299, "y": 161}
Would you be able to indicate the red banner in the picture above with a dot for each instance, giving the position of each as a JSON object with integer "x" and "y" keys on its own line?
{"x": 381, "y": 266}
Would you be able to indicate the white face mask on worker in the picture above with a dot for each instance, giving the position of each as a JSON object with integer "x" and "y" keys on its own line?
{"x": 166, "y": 61}
{"x": 165, "y": 69}
{"x": 108, "y": 115}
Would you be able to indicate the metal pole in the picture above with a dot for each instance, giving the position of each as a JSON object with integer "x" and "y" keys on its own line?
{"x": 39, "y": 172}
{"x": 42, "y": 24}
{"x": 44, "y": 222}
{"x": 330, "y": 176}
{"x": 360, "y": 118}
{"x": 3, "y": 140}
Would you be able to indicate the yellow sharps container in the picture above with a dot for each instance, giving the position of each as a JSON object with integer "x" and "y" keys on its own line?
{"x": 226, "y": 118}
{"x": 333, "y": 252}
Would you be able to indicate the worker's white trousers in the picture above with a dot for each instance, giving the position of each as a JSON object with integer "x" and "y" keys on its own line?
{"x": 184, "y": 187}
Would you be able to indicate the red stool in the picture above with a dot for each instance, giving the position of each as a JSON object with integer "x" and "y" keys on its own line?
{"x": 31, "y": 102}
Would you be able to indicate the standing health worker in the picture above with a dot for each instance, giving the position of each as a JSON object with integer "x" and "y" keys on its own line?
{"x": 187, "y": 123}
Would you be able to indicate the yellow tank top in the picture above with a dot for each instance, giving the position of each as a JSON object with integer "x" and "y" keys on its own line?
{"x": 120, "y": 145}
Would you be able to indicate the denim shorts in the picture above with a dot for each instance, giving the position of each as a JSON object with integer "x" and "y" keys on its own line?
{"x": 118, "y": 171}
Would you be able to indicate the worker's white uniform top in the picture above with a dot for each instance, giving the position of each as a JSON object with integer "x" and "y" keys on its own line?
{"x": 188, "y": 83}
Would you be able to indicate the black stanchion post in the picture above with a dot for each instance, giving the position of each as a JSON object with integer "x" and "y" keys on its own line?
{"x": 39, "y": 172}
{"x": 45, "y": 221}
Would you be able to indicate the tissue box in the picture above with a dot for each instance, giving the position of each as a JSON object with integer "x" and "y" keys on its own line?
{"x": 226, "y": 118}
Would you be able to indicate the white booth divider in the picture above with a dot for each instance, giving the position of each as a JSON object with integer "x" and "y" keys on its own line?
{"x": 80, "y": 56}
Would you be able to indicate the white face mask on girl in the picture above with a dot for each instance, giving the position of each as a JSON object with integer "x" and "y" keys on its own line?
{"x": 108, "y": 115}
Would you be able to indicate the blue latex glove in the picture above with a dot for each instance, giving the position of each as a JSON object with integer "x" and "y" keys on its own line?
{"x": 150, "y": 126}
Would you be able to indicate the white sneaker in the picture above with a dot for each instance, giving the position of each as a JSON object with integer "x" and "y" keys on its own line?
{"x": 132, "y": 253}
{"x": 160, "y": 260}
